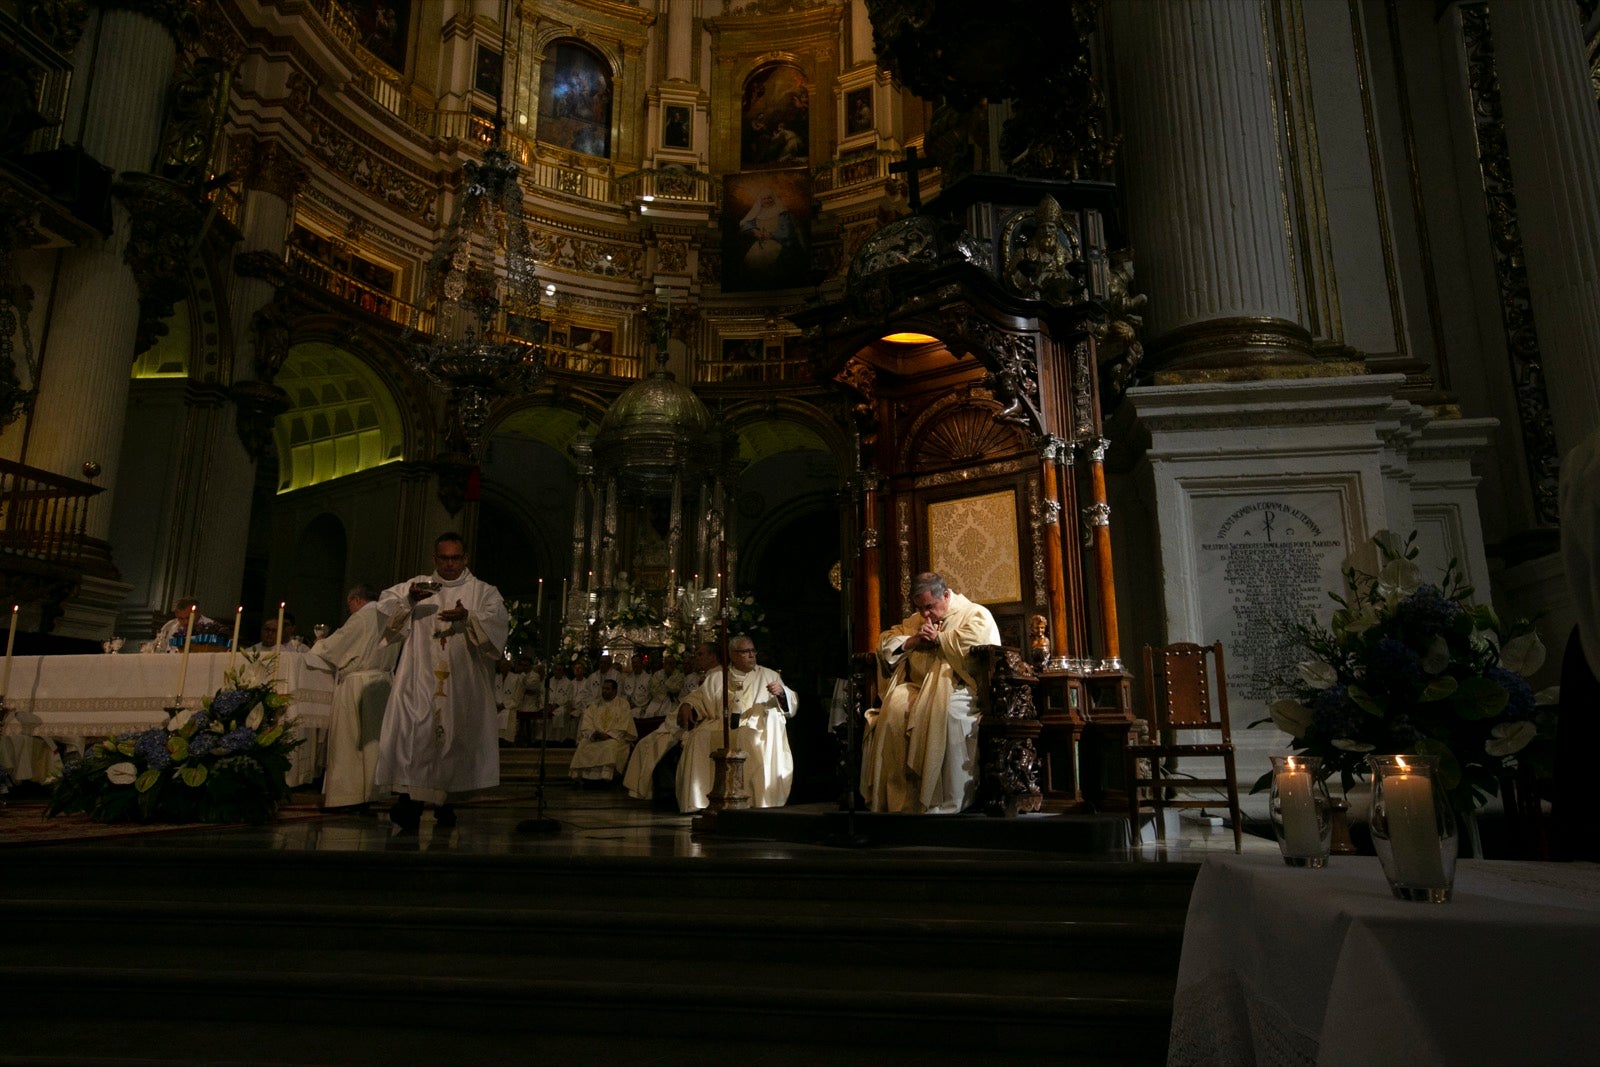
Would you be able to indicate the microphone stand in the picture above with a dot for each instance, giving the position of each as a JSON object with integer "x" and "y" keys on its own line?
{"x": 850, "y": 837}
{"x": 539, "y": 824}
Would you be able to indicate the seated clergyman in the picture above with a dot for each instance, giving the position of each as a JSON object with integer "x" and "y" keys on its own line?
{"x": 919, "y": 751}
{"x": 605, "y": 736}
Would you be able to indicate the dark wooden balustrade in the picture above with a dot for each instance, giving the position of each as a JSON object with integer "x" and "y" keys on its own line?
{"x": 43, "y": 518}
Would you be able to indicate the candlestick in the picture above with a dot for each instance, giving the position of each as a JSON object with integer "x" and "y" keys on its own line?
{"x": 1300, "y": 835}
{"x": 277, "y": 642}
{"x": 188, "y": 642}
{"x": 233, "y": 645}
{"x": 11, "y": 642}
{"x": 1413, "y": 832}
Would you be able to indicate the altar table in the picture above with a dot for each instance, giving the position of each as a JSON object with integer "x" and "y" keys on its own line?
{"x": 1290, "y": 965}
{"x": 81, "y": 699}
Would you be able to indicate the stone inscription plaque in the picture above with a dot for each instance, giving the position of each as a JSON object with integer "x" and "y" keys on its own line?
{"x": 1263, "y": 566}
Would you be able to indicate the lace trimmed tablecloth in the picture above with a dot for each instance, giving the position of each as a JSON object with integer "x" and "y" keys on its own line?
{"x": 1289, "y": 965}
{"x": 81, "y": 699}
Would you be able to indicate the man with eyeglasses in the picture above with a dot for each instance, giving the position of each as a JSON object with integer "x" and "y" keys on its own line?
{"x": 919, "y": 750}
{"x": 441, "y": 730}
{"x": 761, "y": 707}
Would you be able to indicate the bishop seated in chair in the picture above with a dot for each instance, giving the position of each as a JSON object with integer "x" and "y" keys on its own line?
{"x": 919, "y": 752}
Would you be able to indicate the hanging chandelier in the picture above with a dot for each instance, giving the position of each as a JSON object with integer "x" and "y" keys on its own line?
{"x": 481, "y": 297}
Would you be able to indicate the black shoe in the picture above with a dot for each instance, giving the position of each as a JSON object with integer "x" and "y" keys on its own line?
{"x": 406, "y": 813}
{"x": 444, "y": 815}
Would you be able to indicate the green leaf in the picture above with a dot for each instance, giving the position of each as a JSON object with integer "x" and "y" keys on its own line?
{"x": 178, "y": 747}
{"x": 1480, "y": 698}
{"x": 1361, "y": 699}
{"x": 194, "y": 775}
{"x": 1449, "y": 766}
{"x": 147, "y": 779}
{"x": 1438, "y": 689}
{"x": 1290, "y": 716}
{"x": 270, "y": 736}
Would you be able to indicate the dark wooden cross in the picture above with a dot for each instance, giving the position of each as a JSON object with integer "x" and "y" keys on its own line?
{"x": 910, "y": 167}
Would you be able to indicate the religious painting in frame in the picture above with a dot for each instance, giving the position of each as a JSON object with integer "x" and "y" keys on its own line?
{"x": 742, "y": 358}
{"x": 382, "y": 27}
{"x": 486, "y": 71}
{"x": 775, "y": 117}
{"x": 972, "y": 543}
{"x": 766, "y": 230}
{"x": 675, "y": 127}
{"x": 575, "y": 100}
{"x": 857, "y": 111}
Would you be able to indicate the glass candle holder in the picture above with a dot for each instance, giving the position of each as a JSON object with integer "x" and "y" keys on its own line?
{"x": 1300, "y": 809}
{"x": 1412, "y": 827}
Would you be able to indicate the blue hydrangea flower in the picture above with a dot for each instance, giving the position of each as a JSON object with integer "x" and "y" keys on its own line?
{"x": 1332, "y": 715}
{"x": 151, "y": 746}
{"x": 1394, "y": 665}
{"x": 1428, "y": 611}
{"x": 1521, "y": 703}
{"x": 228, "y": 703}
{"x": 202, "y": 743}
{"x": 237, "y": 740}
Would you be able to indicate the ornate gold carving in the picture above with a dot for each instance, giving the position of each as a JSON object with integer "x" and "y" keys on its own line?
{"x": 608, "y": 259}
{"x": 167, "y": 224}
{"x": 1244, "y": 341}
{"x": 60, "y": 22}
{"x": 869, "y": 537}
{"x": 964, "y": 436}
{"x": 363, "y": 168}
{"x": 1043, "y": 254}
{"x": 197, "y": 105}
{"x": 1117, "y": 345}
{"x": 1510, "y": 257}
{"x": 275, "y": 170}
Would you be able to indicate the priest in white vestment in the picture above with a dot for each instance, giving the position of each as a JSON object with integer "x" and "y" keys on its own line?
{"x": 440, "y": 729}
{"x": 170, "y": 637}
{"x": 510, "y": 686}
{"x": 763, "y": 705}
{"x": 605, "y": 736}
{"x": 667, "y": 687}
{"x": 363, "y": 668}
{"x": 919, "y": 750}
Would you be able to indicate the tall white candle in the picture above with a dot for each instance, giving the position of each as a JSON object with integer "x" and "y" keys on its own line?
{"x": 538, "y": 603}
{"x": 563, "y": 598}
{"x": 188, "y": 642}
{"x": 1299, "y": 813}
{"x": 11, "y": 642}
{"x": 278, "y": 633}
{"x": 233, "y": 645}
{"x": 1413, "y": 830}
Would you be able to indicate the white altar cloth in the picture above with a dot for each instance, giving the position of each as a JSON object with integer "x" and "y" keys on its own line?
{"x": 81, "y": 699}
{"x": 1291, "y": 965}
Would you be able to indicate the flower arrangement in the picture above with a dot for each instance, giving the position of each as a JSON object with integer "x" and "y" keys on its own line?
{"x": 523, "y": 634}
{"x": 224, "y": 762}
{"x": 633, "y": 616}
{"x": 746, "y": 617}
{"x": 1411, "y": 667}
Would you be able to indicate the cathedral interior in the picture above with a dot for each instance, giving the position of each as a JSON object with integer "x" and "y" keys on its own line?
{"x": 665, "y": 304}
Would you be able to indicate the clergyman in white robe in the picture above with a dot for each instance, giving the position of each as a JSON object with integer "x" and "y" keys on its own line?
{"x": 441, "y": 730}
{"x": 919, "y": 750}
{"x": 605, "y": 736}
{"x": 764, "y": 706}
{"x": 666, "y": 690}
{"x": 363, "y": 668}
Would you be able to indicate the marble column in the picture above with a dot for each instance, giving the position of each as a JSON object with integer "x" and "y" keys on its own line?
{"x": 680, "y": 39}
{"x": 1553, "y": 132}
{"x": 123, "y": 62}
{"x": 1206, "y": 200}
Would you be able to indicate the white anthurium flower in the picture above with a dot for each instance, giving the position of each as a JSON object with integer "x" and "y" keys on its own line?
{"x": 1549, "y": 696}
{"x": 1347, "y": 745}
{"x": 180, "y": 720}
{"x": 1483, "y": 641}
{"x": 1290, "y": 716}
{"x": 1359, "y": 622}
{"x": 1364, "y": 558}
{"x": 1509, "y": 738}
{"x": 1437, "y": 658}
{"x": 1399, "y": 577}
{"x": 1317, "y": 674}
{"x": 1523, "y": 655}
{"x": 1390, "y": 542}
{"x": 122, "y": 773}
{"x": 253, "y": 720}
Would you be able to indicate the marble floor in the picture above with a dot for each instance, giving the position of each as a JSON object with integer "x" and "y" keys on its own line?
{"x": 591, "y": 822}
